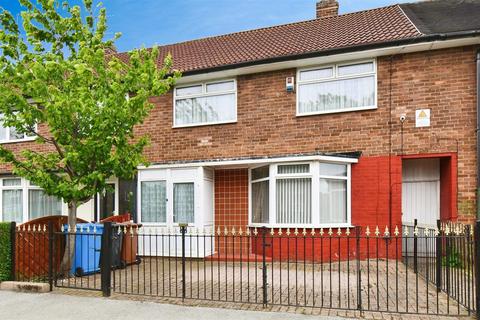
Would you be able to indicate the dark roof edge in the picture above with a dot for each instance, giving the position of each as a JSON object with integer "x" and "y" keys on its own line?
{"x": 426, "y": 38}
{"x": 420, "y": 25}
{"x": 347, "y": 155}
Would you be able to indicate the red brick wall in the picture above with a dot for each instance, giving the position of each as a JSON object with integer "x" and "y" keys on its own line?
{"x": 371, "y": 198}
{"x": 442, "y": 80}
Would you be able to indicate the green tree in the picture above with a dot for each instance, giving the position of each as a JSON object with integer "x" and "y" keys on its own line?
{"x": 59, "y": 75}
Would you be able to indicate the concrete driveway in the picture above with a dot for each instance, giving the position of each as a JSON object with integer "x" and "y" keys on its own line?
{"x": 15, "y": 305}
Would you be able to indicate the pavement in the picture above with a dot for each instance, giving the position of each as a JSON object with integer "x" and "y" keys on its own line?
{"x": 15, "y": 305}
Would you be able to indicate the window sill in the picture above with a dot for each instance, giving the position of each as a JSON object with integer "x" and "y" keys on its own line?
{"x": 203, "y": 124}
{"x": 18, "y": 140}
{"x": 306, "y": 114}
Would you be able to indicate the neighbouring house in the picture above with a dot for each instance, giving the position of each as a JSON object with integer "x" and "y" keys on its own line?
{"x": 361, "y": 119}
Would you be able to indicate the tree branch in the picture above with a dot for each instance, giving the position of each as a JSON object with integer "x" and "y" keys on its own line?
{"x": 68, "y": 169}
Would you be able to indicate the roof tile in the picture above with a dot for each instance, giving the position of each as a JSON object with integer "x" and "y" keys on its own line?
{"x": 343, "y": 31}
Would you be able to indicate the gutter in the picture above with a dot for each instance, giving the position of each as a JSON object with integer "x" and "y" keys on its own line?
{"x": 348, "y": 157}
{"x": 478, "y": 134}
{"x": 335, "y": 51}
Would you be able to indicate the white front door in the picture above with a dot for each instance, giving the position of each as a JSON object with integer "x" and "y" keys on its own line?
{"x": 421, "y": 191}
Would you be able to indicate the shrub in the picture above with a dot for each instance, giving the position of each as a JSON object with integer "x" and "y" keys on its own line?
{"x": 454, "y": 259}
{"x": 5, "y": 256}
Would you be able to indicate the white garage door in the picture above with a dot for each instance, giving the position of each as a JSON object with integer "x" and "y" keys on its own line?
{"x": 421, "y": 191}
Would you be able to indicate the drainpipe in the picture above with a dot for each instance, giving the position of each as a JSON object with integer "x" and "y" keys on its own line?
{"x": 478, "y": 134}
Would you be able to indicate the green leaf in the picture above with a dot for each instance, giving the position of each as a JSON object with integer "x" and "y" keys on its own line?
{"x": 58, "y": 77}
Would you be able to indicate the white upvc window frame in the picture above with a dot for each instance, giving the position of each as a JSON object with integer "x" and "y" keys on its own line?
{"x": 24, "y": 139}
{"x": 348, "y": 179}
{"x": 204, "y": 93}
{"x": 25, "y": 186}
{"x": 252, "y": 181}
{"x": 170, "y": 179}
{"x": 314, "y": 174}
{"x": 334, "y": 77}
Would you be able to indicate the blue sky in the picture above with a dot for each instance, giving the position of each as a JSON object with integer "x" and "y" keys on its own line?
{"x": 150, "y": 22}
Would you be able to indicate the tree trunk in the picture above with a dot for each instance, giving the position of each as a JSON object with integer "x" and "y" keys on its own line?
{"x": 67, "y": 260}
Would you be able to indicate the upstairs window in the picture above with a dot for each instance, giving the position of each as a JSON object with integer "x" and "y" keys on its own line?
{"x": 205, "y": 103}
{"x": 9, "y": 134}
{"x": 337, "y": 88}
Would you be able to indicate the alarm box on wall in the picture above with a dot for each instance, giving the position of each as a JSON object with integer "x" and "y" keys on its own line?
{"x": 290, "y": 84}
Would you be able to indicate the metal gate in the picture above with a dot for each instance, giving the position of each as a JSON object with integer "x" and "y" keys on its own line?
{"x": 350, "y": 269}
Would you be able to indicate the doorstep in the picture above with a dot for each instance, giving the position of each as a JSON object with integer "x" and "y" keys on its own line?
{"x": 32, "y": 287}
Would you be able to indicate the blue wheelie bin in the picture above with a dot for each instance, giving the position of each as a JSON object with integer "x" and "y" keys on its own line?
{"x": 86, "y": 259}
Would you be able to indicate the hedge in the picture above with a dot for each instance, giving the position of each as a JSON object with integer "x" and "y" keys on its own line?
{"x": 5, "y": 257}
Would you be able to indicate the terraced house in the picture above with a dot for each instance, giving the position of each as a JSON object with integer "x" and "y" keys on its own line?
{"x": 366, "y": 118}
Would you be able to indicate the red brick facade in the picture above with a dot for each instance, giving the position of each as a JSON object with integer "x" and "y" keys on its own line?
{"x": 267, "y": 125}
{"x": 441, "y": 80}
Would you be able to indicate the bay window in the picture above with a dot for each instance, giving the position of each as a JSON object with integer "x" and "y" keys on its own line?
{"x": 337, "y": 88}
{"x": 294, "y": 194}
{"x": 300, "y": 194}
{"x": 333, "y": 193}
{"x": 40, "y": 204}
{"x": 205, "y": 103}
{"x": 23, "y": 201}
{"x": 12, "y": 200}
{"x": 260, "y": 187}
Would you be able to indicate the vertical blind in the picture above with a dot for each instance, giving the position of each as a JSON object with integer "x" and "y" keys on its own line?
{"x": 205, "y": 109}
{"x": 294, "y": 200}
{"x": 183, "y": 202}
{"x": 293, "y": 168}
{"x": 40, "y": 204}
{"x": 154, "y": 201}
{"x": 294, "y": 192}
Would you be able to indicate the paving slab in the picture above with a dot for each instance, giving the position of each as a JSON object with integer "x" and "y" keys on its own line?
{"x": 14, "y": 305}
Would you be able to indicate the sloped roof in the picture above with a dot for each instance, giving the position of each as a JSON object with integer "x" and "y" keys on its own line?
{"x": 444, "y": 16}
{"x": 376, "y": 27}
{"x": 365, "y": 27}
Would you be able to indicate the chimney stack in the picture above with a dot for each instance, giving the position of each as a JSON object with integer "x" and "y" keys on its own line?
{"x": 327, "y": 8}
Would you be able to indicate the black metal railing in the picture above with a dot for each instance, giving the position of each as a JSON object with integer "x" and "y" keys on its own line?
{"x": 351, "y": 269}
{"x": 446, "y": 260}
{"x": 409, "y": 269}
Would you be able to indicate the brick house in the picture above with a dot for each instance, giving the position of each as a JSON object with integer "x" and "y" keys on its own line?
{"x": 361, "y": 119}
